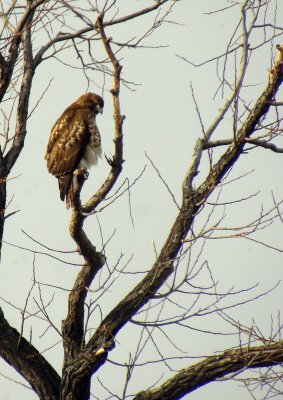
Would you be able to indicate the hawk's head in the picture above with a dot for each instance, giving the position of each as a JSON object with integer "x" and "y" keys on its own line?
{"x": 92, "y": 101}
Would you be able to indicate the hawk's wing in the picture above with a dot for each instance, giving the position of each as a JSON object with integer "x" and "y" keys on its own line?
{"x": 68, "y": 140}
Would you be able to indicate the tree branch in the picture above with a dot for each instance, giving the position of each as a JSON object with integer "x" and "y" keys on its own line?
{"x": 213, "y": 368}
{"x": 24, "y": 357}
{"x": 7, "y": 66}
{"x": 22, "y": 110}
{"x": 255, "y": 142}
{"x": 117, "y": 161}
{"x": 69, "y": 36}
{"x": 22, "y": 33}
{"x": 234, "y": 151}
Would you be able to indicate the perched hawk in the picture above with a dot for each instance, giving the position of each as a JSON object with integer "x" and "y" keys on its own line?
{"x": 74, "y": 142}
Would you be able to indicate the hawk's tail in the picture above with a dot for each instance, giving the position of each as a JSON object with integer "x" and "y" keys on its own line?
{"x": 70, "y": 196}
{"x": 66, "y": 189}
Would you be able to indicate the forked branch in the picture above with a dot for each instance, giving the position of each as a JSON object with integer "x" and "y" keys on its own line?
{"x": 117, "y": 161}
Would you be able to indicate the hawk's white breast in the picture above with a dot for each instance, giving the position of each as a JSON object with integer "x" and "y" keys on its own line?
{"x": 93, "y": 148}
{"x": 90, "y": 157}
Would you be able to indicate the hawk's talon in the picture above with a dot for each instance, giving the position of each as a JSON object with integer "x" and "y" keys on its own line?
{"x": 81, "y": 173}
{"x": 112, "y": 161}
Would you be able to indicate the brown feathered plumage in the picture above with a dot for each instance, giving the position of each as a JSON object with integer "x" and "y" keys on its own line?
{"x": 74, "y": 142}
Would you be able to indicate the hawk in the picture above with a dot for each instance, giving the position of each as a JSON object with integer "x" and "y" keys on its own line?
{"x": 74, "y": 143}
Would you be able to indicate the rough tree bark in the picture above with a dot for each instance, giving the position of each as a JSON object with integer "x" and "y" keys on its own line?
{"x": 26, "y": 359}
{"x": 189, "y": 379}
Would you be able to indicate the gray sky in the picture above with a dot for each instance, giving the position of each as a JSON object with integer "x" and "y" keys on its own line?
{"x": 161, "y": 121}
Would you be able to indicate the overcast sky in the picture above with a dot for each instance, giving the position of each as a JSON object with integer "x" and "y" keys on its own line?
{"x": 161, "y": 125}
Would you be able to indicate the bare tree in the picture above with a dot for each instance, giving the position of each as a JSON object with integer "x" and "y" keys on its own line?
{"x": 180, "y": 284}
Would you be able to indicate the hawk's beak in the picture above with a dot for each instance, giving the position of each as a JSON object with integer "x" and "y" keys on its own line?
{"x": 100, "y": 109}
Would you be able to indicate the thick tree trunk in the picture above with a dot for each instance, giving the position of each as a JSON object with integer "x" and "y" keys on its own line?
{"x": 76, "y": 380}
